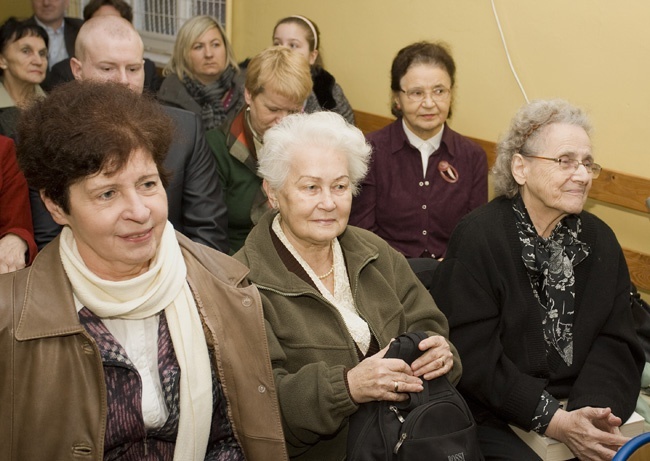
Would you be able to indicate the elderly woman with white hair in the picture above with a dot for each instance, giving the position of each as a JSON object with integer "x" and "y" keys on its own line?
{"x": 333, "y": 295}
{"x": 536, "y": 291}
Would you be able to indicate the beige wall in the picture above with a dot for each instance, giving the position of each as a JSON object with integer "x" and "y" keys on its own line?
{"x": 595, "y": 53}
{"x": 18, "y": 8}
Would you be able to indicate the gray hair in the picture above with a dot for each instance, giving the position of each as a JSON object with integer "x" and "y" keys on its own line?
{"x": 325, "y": 129}
{"x": 524, "y": 133}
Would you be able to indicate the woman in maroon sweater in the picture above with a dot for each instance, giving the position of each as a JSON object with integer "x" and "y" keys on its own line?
{"x": 423, "y": 177}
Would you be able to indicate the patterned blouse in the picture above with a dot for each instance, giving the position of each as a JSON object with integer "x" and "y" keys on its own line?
{"x": 549, "y": 263}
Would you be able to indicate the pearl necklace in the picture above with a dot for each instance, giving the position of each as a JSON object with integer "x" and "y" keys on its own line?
{"x": 327, "y": 274}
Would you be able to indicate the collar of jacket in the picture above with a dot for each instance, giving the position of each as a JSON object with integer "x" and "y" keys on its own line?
{"x": 267, "y": 270}
{"x": 323, "y": 85}
{"x": 399, "y": 139}
{"x": 240, "y": 141}
{"x": 173, "y": 91}
{"x": 47, "y": 279}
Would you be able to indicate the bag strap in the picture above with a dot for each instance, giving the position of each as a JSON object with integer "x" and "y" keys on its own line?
{"x": 405, "y": 346}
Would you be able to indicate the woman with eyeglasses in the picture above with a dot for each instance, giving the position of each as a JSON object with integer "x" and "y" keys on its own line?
{"x": 424, "y": 177}
{"x": 537, "y": 294}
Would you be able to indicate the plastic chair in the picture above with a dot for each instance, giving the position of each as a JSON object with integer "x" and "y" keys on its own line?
{"x": 636, "y": 449}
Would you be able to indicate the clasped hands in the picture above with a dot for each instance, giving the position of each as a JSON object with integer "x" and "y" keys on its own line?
{"x": 592, "y": 434}
{"x": 377, "y": 378}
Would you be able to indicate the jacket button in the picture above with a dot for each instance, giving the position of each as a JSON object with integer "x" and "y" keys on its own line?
{"x": 81, "y": 449}
{"x": 261, "y": 389}
{"x": 247, "y": 301}
{"x": 88, "y": 348}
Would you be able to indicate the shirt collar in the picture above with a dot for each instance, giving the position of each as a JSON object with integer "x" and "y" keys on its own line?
{"x": 416, "y": 141}
{"x": 5, "y": 99}
{"x": 49, "y": 29}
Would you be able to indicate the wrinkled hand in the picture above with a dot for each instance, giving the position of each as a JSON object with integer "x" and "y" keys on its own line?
{"x": 375, "y": 379}
{"x": 592, "y": 434}
{"x": 437, "y": 359}
{"x": 12, "y": 253}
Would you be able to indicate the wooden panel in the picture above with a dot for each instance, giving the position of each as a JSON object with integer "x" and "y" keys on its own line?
{"x": 367, "y": 122}
{"x": 489, "y": 147}
{"x": 641, "y": 454}
{"x": 639, "y": 267}
{"x": 625, "y": 190}
{"x": 621, "y": 189}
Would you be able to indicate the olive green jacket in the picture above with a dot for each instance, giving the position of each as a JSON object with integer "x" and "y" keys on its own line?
{"x": 52, "y": 389}
{"x": 309, "y": 343}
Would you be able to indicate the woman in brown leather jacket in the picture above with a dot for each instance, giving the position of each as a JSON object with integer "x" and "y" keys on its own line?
{"x": 124, "y": 339}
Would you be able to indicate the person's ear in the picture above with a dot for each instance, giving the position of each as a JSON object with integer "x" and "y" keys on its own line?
{"x": 397, "y": 106}
{"x": 519, "y": 169}
{"x": 312, "y": 57}
{"x": 270, "y": 193}
{"x": 247, "y": 97}
{"x": 59, "y": 216}
{"x": 75, "y": 67}
{"x": 3, "y": 62}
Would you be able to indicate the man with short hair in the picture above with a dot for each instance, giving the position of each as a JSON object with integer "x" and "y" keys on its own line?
{"x": 61, "y": 30}
{"x": 109, "y": 48}
{"x": 61, "y": 72}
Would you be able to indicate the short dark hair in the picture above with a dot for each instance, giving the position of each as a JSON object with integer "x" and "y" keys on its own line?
{"x": 436, "y": 54}
{"x": 125, "y": 10}
{"x": 84, "y": 127}
{"x": 13, "y": 30}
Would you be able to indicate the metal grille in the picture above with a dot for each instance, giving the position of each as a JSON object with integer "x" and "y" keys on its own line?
{"x": 164, "y": 16}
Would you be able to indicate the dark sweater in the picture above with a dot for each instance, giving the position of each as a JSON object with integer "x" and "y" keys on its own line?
{"x": 495, "y": 321}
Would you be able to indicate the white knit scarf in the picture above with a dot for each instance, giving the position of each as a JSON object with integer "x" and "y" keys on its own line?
{"x": 162, "y": 287}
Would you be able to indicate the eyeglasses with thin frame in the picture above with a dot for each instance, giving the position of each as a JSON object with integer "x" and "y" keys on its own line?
{"x": 570, "y": 165}
{"x": 438, "y": 94}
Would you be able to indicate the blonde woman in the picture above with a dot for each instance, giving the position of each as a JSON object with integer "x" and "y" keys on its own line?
{"x": 202, "y": 75}
{"x": 277, "y": 84}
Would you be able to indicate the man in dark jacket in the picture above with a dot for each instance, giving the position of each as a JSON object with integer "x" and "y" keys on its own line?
{"x": 109, "y": 48}
{"x": 61, "y": 71}
{"x": 62, "y": 31}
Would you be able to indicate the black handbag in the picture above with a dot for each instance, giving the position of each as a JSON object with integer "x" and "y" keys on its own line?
{"x": 435, "y": 424}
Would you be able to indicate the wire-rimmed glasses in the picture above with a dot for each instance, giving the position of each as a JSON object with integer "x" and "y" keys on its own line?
{"x": 570, "y": 165}
{"x": 438, "y": 94}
